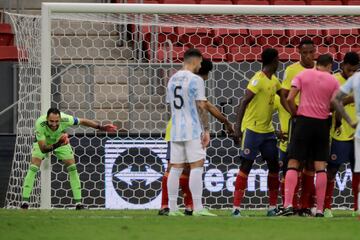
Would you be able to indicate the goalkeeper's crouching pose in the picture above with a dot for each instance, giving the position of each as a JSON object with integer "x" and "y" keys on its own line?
{"x": 50, "y": 136}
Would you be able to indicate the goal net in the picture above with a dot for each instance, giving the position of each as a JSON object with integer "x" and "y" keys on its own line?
{"x": 111, "y": 63}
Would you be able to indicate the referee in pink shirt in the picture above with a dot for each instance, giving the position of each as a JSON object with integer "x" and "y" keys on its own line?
{"x": 310, "y": 137}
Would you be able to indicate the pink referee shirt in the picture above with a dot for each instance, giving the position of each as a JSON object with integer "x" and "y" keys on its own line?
{"x": 316, "y": 90}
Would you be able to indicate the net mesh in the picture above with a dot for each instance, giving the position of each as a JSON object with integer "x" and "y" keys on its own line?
{"x": 114, "y": 68}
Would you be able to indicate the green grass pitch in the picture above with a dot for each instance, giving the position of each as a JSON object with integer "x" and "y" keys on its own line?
{"x": 146, "y": 224}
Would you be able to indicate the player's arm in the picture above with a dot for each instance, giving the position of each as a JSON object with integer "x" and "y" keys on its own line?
{"x": 44, "y": 148}
{"x": 337, "y": 102}
{"x": 90, "y": 123}
{"x": 284, "y": 93}
{"x": 204, "y": 120}
{"x": 249, "y": 95}
{"x": 291, "y": 100}
{"x": 219, "y": 116}
{"x": 348, "y": 100}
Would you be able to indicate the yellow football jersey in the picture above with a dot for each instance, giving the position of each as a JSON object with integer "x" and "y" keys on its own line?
{"x": 290, "y": 72}
{"x": 168, "y": 131}
{"x": 345, "y": 132}
{"x": 284, "y": 117}
{"x": 258, "y": 113}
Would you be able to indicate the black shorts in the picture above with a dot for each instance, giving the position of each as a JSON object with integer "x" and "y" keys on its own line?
{"x": 310, "y": 140}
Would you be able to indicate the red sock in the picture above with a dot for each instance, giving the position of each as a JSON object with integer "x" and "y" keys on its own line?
{"x": 329, "y": 194}
{"x": 321, "y": 180}
{"x": 295, "y": 201}
{"x": 355, "y": 190}
{"x": 240, "y": 186}
{"x": 184, "y": 185}
{"x": 164, "y": 193}
{"x": 291, "y": 180}
{"x": 273, "y": 185}
{"x": 307, "y": 190}
{"x": 282, "y": 190}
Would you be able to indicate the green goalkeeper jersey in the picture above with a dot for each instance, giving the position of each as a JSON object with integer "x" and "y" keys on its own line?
{"x": 44, "y": 133}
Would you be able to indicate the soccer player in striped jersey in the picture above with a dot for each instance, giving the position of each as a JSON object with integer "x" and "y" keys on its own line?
{"x": 255, "y": 129}
{"x": 307, "y": 55}
{"x": 342, "y": 134}
{"x": 189, "y": 132}
{"x": 50, "y": 137}
{"x": 206, "y": 68}
{"x": 351, "y": 87}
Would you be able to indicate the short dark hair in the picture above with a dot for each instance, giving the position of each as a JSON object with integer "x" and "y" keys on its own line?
{"x": 351, "y": 58}
{"x": 206, "y": 67}
{"x": 306, "y": 41}
{"x": 268, "y": 56}
{"x": 192, "y": 52}
{"x": 325, "y": 60}
{"x": 54, "y": 111}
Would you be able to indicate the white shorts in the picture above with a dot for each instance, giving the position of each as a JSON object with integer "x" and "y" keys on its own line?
{"x": 187, "y": 152}
{"x": 357, "y": 155}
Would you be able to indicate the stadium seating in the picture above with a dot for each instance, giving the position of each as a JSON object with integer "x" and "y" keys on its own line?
{"x": 325, "y": 2}
{"x": 6, "y": 35}
{"x": 249, "y": 2}
{"x": 342, "y": 36}
{"x": 224, "y": 2}
{"x": 289, "y": 2}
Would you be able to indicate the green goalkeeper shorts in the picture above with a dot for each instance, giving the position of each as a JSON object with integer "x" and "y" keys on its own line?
{"x": 62, "y": 153}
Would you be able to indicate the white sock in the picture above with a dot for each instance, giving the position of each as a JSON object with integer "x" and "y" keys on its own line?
{"x": 173, "y": 187}
{"x": 196, "y": 187}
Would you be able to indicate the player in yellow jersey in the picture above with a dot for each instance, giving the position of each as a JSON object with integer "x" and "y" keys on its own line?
{"x": 342, "y": 134}
{"x": 206, "y": 67}
{"x": 254, "y": 127}
{"x": 282, "y": 136}
{"x": 307, "y": 55}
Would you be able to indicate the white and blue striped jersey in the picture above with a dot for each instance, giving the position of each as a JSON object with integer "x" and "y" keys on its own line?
{"x": 352, "y": 85}
{"x": 183, "y": 89}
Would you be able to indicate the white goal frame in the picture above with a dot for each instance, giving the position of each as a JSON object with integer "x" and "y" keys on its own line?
{"x": 49, "y": 8}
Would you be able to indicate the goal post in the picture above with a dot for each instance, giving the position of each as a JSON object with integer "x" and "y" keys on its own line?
{"x": 110, "y": 62}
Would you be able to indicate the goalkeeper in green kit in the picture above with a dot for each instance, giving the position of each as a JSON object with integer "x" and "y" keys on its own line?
{"x": 50, "y": 136}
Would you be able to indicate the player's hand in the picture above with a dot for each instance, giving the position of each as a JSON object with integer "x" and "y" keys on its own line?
{"x": 229, "y": 128}
{"x": 354, "y": 124}
{"x": 281, "y": 135}
{"x": 108, "y": 128}
{"x": 205, "y": 139}
{"x": 64, "y": 139}
{"x": 237, "y": 137}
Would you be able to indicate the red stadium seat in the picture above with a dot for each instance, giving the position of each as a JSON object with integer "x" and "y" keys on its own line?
{"x": 138, "y": 1}
{"x": 8, "y": 53}
{"x": 329, "y": 49}
{"x": 215, "y": 54}
{"x": 297, "y": 35}
{"x": 289, "y": 2}
{"x": 269, "y": 37}
{"x": 164, "y": 34}
{"x": 249, "y": 2}
{"x": 221, "y": 2}
{"x": 194, "y": 37}
{"x": 179, "y": 1}
{"x": 244, "y": 53}
{"x": 230, "y": 37}
{"x": 342, "y": 37}
{"x": 325, "y": 2}
{"x": 353, "y": 2}
{"x": 288, "y": 54}
{"x": 343, "y": 50}
{"x": 6, "y": 35}
{"x": 176, "y": 55}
